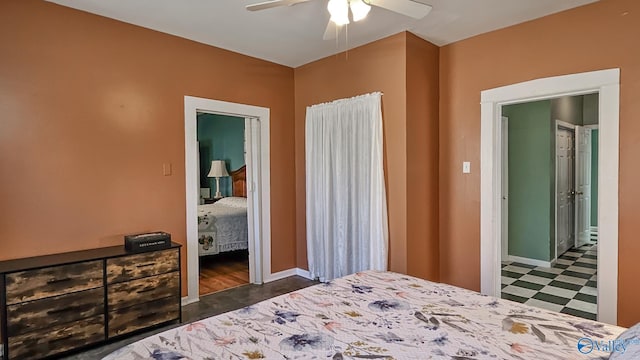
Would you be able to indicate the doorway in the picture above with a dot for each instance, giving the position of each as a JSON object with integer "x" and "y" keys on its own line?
{"x": 222, "y": 209}
{"x": 606, "y": 84}
{"x": 546, "y": 192}
{"x": 257, "y": 187}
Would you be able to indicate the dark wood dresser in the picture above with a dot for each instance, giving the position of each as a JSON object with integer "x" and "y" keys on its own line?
{"x": 52, "y": 305}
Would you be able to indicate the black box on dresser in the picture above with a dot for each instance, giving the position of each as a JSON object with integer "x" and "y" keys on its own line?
{"x": 56, "y": 304}
{"x": 147, "y": 241}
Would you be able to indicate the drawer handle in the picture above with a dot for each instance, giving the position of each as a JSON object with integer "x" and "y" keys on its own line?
{"x": 61, "y": 339}
{"x": 56, "y": 281}
{"x": 145, "y": 290}
{"x": 57, "y": 311}
{"x": 145, "y": 265}
{"x": 143, "y": 316}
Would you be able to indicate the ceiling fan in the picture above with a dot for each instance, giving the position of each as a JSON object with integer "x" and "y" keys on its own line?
{"x": 339, "y": 10}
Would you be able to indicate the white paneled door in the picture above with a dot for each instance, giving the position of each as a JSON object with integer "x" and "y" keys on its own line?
{"x": 583, "y": 185}
{"x": 505, "y": 188}
{"x": 565, "y": 189}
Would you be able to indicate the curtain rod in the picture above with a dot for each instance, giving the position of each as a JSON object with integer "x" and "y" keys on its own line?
{"x": 349, "y": 98}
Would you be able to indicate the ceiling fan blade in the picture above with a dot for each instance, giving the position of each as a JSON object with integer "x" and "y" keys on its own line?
{"x": 272, "y": 4}
{"x": 409, "y": 8}
{"x": 332, "y": 31}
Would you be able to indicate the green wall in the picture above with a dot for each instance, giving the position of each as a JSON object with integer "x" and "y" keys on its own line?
{"x": 594, "y": 177}
{"x": 530, "y": 179}
{"x": 220, "y": 137}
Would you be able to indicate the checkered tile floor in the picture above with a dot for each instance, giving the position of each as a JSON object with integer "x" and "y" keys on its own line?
{"x": 569, "y": 287}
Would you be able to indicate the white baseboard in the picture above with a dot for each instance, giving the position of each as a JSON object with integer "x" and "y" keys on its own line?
{"x": 304, "y": 273}
{"x": 286, "y": 273}
{"x": 280, "y": 275}
{"x": 532, "y": 262}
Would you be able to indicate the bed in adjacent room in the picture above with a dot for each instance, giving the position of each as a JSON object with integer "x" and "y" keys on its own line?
{"x": 222, "y": 226}
{"x": 380, "y": 315}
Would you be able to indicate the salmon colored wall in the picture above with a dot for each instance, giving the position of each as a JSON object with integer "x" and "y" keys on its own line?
{"x": 405, "y": 68}
{"x": 91, "y": 109}
{"x": 593, "y": 37}
{"x": 378, "y": 66}
{"x": 422, "y": 158}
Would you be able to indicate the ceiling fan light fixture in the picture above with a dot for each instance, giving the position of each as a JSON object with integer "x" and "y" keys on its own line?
{"x": 339, "y": 10}
{"x": 359, "y": 9}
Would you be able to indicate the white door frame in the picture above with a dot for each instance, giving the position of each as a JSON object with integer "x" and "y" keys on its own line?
{"x": 592, "y": 127}
{"x": 566, "y": 125}
{"x": 607, "y": 84}
{"x": 258, "y": 185}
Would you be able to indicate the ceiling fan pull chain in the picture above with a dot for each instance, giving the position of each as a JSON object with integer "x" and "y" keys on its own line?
{"x": 346, "y": 40}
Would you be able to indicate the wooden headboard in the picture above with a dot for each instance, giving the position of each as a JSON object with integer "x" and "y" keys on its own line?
{"x": 239, "y": 182}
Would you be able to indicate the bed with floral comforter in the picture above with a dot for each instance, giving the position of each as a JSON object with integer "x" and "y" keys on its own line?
{"x": 378, "y": 315}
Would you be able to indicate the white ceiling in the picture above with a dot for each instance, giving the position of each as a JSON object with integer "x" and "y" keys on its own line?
{"x": 292, "y": 35}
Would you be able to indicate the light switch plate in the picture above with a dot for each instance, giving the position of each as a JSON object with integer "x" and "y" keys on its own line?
{"x": 466, "y": 167}
{"x": 166, "y": 169}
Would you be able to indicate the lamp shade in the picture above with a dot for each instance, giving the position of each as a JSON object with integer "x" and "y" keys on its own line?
{"x": 218, "y": 169}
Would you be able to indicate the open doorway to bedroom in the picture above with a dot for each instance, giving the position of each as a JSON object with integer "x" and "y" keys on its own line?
{"x": 250, "y": 183}
{"x": 223, "y": 234}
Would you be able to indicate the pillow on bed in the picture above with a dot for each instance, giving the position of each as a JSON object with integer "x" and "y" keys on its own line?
{"x": 631, "y": 340}
{"x": 233, "y": 201}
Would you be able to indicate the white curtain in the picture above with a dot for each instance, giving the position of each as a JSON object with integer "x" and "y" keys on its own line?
{"x": 347, "y": 228}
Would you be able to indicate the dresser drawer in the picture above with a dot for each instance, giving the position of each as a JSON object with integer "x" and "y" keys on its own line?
{"x": 44, "y": 313}
{"x": 136, "y": 266}
{"x": 126, "y": 320}
{"x": 142, "y": 290}
{"x": 51, "y": 281}
{"x": 38, "y": 344}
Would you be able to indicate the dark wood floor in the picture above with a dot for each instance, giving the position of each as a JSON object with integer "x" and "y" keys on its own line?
{"x": 210, "y": 305}
{"x": 223, "y": 271}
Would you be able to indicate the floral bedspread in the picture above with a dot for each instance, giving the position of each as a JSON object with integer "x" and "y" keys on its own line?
{"x": 378, "y": 315}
